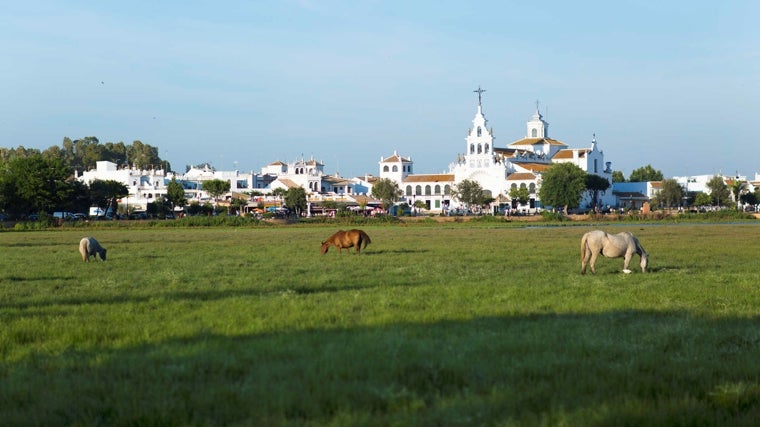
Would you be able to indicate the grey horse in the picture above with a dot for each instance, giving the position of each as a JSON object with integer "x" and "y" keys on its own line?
{"x": 618, "y": 245}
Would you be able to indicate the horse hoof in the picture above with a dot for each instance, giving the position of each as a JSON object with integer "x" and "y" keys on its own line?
{"x": 627, "y": 271}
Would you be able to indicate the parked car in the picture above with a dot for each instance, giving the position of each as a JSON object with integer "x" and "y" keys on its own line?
{"x": 138, "y": 215}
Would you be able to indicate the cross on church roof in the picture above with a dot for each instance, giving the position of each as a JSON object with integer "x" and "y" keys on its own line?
{"x": 479, "y": 91}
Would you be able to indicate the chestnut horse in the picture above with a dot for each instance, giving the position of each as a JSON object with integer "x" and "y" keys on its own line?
{"x": 346, "y": 239}
{"x": 611, "y": 246}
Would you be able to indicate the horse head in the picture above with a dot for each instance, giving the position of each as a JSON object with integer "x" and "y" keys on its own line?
{"x": 644, "y": 261}
{"x": 325, "y": 246}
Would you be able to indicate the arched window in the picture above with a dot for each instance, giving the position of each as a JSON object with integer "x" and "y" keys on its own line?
{"x": 427, "y": 190}
{"x": 395, "y": 168}
{"x": 480, "y": 132}
{"x": 486, "y": 150}
{"x": 534, "y": 133}
{"x": 447, "y": 189}
{"x": 418, "y": 190}
{"x": 523, "y": 185}
{"x": 513, "y": 186}
{"x": 385, "y": 168}
{"x": 480, "y": 148}
{"x": 472, "y": 148}
{"x": 437, "y": 189}
{"x": 532, "y": 188}
{"x": 408, "y": 190}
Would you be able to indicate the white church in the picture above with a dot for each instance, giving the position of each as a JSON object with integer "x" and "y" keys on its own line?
{"x": 498, "y": 169}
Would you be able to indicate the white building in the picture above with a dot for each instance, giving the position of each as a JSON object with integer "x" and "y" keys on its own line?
{"x": 497, "y": 170}
{"x": 143, "y": 185}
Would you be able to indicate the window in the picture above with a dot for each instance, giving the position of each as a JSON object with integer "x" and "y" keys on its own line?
{"x": 447, "y": 189}
{"x": 480, "y": 132}
{"x": 408, "y": 190}
{"x": 534, "y": 133}
{"x": 437, "y": 189}
{"x": 472, "y": 148}
{"x": 395, "y": 168}
{"x": 418, "y": 190}
{"x": 427, "y": 190}
{"x": 385, "y": 168}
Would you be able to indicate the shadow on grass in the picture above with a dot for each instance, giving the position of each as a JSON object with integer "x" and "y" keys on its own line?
{"x": 611, "y": 368}
{"x": 199, "y": 295}
{"x": 395, "y": 251}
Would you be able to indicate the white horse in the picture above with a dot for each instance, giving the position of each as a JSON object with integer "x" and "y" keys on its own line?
{"x": 612, "y": 246}
{"x": 89, "y": 247}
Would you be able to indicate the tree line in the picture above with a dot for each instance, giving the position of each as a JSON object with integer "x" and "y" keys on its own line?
{"x": 82, "y": 154}
{"x": 41, "y": 181}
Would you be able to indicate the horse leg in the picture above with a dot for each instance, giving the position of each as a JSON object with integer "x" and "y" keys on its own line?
{"x": 592, "y": 263}
{"x": 626, "y": 261}
{"x": 585, "y": 259}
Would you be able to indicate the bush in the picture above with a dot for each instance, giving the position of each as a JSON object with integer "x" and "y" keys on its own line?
{"x": 553, "y": 216}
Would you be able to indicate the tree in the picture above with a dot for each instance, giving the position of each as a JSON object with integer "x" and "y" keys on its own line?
{"x": 719, "y": 191}
{"x": 34, "y": 184}
{"x": 105, "y": 194}
{"x": 175, "y": 193}
{"x": 237, "y": 204}
{"x": 749, "y": 198}
{"x": 295, "y": 200}
{"x": 737, "y": 188}
{"x": 702, "y": 199}
{"x": 387, "y": 191}
{"x": 596, "y": 184}
{"x": 419, "y": 205}
{"x": 79, "y": 198}
{"x": 562, "y": 185}
{"x": 159, "y": 207}
{"x": 519, "y": 194}
{"x": 671, "y": 193}
{"x": 216, "y": 187}
{"x": 645, "y": 174}
{"x": 468, "y": 192}
{"x": 618, "y": 176}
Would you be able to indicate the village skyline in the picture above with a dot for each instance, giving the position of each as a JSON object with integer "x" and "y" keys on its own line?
{"x": 243, "y": 85}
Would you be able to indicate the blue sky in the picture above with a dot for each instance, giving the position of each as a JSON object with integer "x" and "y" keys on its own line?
{"x": 240, "y": 84}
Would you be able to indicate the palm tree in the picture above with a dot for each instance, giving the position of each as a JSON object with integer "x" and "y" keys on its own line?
{"x": 737, "y": 188}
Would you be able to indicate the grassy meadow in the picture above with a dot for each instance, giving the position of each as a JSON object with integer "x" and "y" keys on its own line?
{"x": 435, "y": 325}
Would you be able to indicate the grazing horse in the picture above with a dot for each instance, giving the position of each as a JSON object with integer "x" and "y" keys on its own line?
{"x": 89, "y": 247}
{"x": 612, "y": 246}
{"x": 346, "y": 239}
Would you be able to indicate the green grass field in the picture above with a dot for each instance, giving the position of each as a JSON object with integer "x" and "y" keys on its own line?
{"x": 432, "y": 325}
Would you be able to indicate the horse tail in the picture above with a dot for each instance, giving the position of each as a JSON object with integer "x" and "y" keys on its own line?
{"x": 365, "y": 239}
{"x": 584, "y": 247}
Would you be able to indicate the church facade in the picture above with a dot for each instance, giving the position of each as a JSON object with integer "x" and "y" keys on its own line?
{"x": 498, "y": 169}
